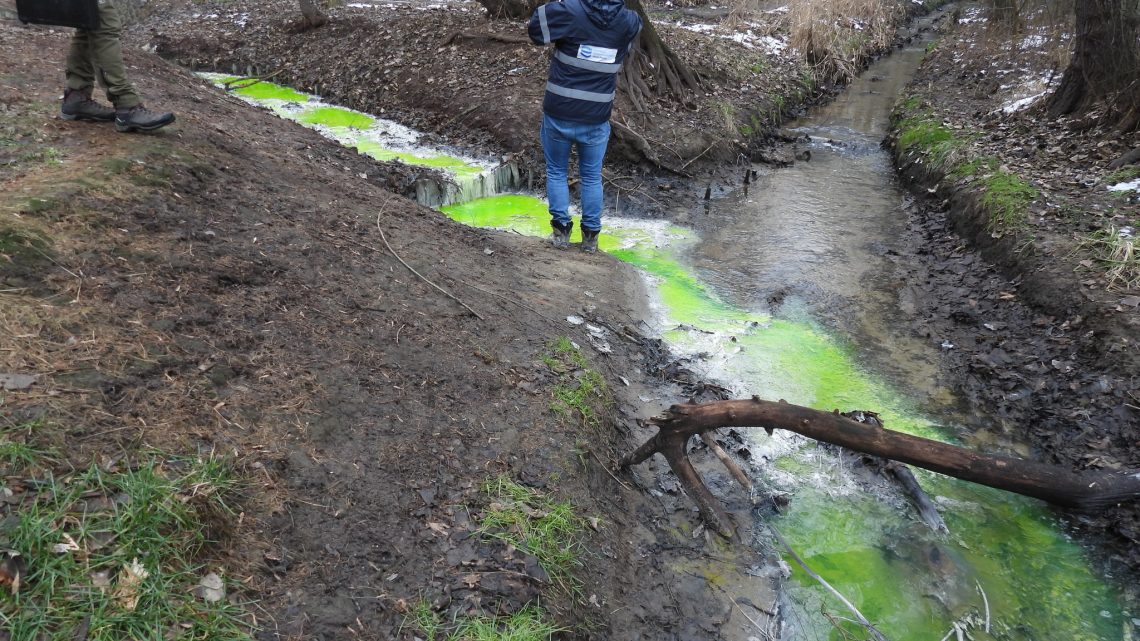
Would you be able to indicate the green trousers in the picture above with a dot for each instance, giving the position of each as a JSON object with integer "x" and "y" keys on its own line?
{"x": 98, "y": 54}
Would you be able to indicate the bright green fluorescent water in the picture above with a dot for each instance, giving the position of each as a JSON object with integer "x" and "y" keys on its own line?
{"x": 265, "y": 90}
{"x": 350, "y": 128}
{"x": 336, "y": 117}
{"x": 451, "y": 164}
{"x": 910, "y": 582}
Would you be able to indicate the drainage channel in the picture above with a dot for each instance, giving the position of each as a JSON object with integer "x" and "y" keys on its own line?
{"x": 1007, "y": 570}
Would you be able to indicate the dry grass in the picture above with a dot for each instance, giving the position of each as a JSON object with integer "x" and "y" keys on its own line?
{"x": 836, "y": 37}
{"x": 1116, "y": 252}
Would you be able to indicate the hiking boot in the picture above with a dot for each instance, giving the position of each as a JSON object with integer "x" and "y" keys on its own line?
{"x": 138, "y": 118}
{"x": 78, "y": 105}
{"x": 561, "y": 235}
{"x": 590, "y": 240}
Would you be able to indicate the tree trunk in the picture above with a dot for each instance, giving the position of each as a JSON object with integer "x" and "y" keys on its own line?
{"x": 1056, "y": 485}
{"x": 510, "y": 9}
{"x": 311, "y": 15}
{"x": 652, "y": 60}
{"x": 1106, "y": 60}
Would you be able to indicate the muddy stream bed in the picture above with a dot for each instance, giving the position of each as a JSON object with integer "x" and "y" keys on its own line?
{"x": 784, "y": 290}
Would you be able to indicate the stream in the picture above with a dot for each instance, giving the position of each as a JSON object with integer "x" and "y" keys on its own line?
{"x": 784, "y": 291}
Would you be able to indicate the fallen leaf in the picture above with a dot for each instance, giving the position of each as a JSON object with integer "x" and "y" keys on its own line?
{"x": 438, "y": 528}
{"x": 101, "y": 580}
{"x": 130, "y": 578}
{"x": 12, "y": 382}
{"x": 11, "y": 568}
{"x": 211, "y": 589}
{"x": 1131, "y": 301}
{"x": 69, "y": 545}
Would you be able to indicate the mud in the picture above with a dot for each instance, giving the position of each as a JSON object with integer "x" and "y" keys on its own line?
{"x": 1039, "y": 339}
{"x": 236, "y": 295}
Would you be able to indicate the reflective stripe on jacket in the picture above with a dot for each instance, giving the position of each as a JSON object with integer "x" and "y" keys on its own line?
{"x": 591, "y": 40}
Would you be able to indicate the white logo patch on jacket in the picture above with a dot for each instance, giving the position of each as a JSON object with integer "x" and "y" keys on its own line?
{"x": 597, "y": 54}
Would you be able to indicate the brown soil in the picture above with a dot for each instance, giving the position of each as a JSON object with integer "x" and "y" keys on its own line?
{"x": 223, "y": 286}
{"x": 402, "y": 61}
{"x": 1041, "y": 336}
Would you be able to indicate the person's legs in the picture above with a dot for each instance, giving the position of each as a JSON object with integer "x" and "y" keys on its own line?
{"x": 592, "y": 141}
{"x": 556, "y": 149}
{"x": 80, "y": 71}
{"x": 107, "y": 54}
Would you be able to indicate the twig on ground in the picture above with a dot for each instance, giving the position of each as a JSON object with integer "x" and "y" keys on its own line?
{"x": 421, "y": 276}
{"x": 486, "y": 35}
{"x": 733, "y": 468}
{"x": 986, "y": 602}
{"x": 695, "y": 158}
{"x": 231, "y": 85}
{"x": 506, "y": 298}
{"x": 850, "y": 606}
{"x": 608, "y": 470}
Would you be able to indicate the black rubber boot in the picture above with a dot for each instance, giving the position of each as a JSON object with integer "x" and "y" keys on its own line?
{"x": 561, "y": 236}
{"x": 590, "y": 240}
{"x": 78, "y": 105}
{"x": 138, "y": 118}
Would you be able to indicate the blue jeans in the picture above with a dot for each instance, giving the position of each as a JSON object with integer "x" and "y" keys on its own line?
{"x": 558, "y": 136}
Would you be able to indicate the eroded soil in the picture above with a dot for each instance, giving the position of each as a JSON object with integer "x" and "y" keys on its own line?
{"x": 225, "y": 285}
{"x": 1043, "y": 336}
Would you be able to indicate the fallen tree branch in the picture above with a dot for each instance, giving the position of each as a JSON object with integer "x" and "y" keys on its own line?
{"x": 485, "y": 35}
{"x": 904, "y": 477}
{"x": 232, "y": 85}
{"x": 862, "y": 620}
{"x": 1056, "y": 485}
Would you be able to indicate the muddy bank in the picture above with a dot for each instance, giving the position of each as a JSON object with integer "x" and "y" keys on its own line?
{"x": 1036, "y": 330}
{"x": 225, "y": 286}
{"x": 446, "y": 69}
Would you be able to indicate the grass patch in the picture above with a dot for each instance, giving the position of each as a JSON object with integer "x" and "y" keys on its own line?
{"x": 974, "y": 167}
{"x": 1116, "y": 252}
{"x": 535, "y": 523}
{"x": 1126, "y": 174}
{"x": 16, "y": 453}
{"x": 529, "y": 624}
{"x": 924, "y": 134}
{"x": 580, "y": 391}
{"x": 115, "y": 553}
{"x": 22, "y": 254}
{"x": 1007, "y": 197}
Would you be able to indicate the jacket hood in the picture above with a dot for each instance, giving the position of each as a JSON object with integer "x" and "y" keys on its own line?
{"x": 603, "y": 12}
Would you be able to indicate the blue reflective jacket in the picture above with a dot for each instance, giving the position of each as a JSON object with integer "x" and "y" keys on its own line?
{"x": 591, "y": 39}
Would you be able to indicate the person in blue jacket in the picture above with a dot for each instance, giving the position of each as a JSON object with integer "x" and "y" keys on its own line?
{"x": 591, "y": 39}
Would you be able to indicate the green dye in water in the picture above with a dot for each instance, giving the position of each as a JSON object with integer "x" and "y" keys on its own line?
{"x": 910, "y": 582}
{"x": 265, "y": 91}
{"x": 450, "y": 164}
{"x": 336, "y": 117}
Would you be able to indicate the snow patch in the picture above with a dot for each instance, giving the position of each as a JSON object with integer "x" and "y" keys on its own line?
{"x": 747, "y": 38}
{"x": 1128, "y": 186}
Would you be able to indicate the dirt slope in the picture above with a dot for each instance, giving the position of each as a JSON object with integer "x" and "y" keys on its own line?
{"x": 223, "y": 285}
